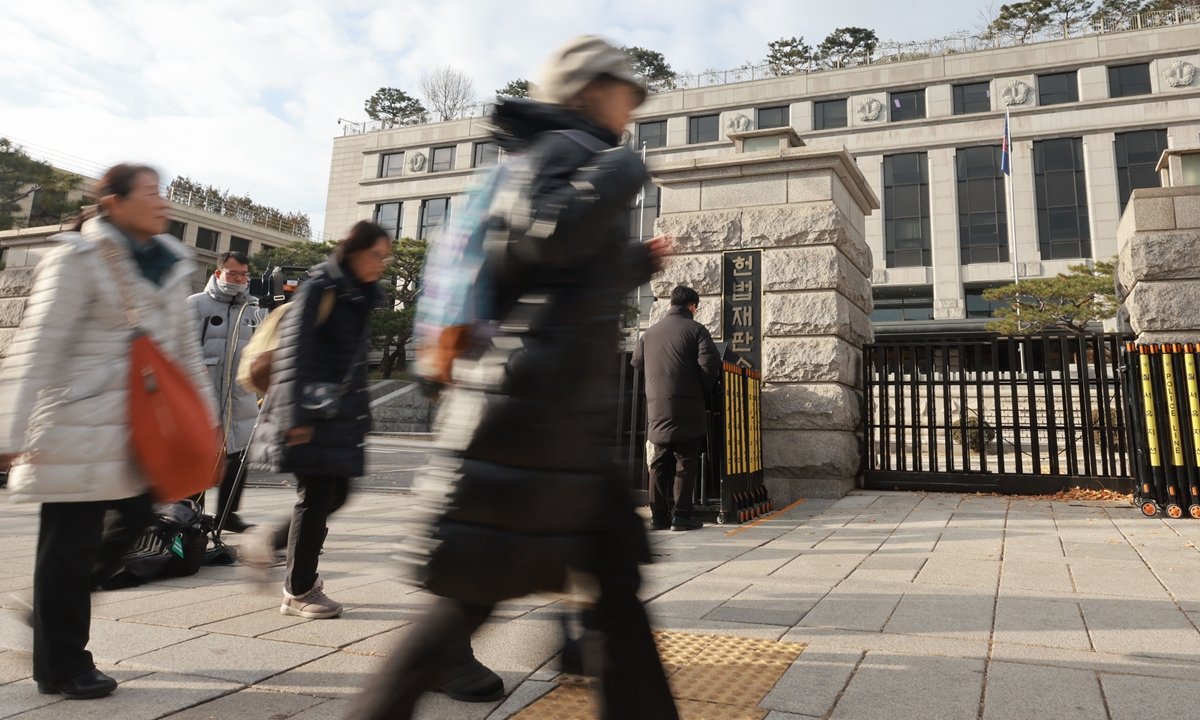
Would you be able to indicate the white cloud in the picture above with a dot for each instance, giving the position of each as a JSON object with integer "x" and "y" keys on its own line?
{"x": 246, "y": 94}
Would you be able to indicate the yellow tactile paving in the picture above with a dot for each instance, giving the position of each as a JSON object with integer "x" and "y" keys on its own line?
{"x": 734, "y": 671}
{"x": 713, "y": 677}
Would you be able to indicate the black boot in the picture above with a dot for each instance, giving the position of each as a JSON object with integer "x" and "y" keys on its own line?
{"x": 89, "y": 685}
{"x": 471, "y": 682}
{"x": 685, "y": 522}
{"x": 235, "y": 524}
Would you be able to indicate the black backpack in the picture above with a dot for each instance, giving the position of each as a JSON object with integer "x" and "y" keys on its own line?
{"x": 174, "y": 546}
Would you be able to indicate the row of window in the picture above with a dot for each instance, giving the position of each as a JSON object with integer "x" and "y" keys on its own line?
{"x": 485, "y": 154}
{"x": 1053, "y": 89}
{"x": 916, "y": 303}
{"x": 208, "y": 239}
{"x": 1060, "y": 188}
{"x": 435, "y": 213}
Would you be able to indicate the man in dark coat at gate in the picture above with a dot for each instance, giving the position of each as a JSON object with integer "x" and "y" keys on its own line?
{"x": 681, "y": 364}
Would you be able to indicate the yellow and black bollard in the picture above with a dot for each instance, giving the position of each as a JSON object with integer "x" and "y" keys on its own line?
{"x": 1193, "y": 422}
{"x": 1158, "y": 496}
{"x": 1176, "y": 472}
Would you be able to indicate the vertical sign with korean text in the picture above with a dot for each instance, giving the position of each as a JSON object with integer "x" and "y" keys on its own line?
{"x": 741, "y": 298}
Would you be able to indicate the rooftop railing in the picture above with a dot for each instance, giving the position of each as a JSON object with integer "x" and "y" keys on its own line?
{"x": 884, "y": 52}
{"x": 269, "y": 220}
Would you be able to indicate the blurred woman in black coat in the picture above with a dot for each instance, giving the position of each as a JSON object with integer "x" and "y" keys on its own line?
{"x": 523, "y": 490}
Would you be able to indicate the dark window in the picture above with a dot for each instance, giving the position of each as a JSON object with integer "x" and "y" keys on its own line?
{"x": 391, "y": 165}
{"x": 177, "y": 229}
{"x": 829, "y": 114}
{"x": 443, "y": 159}
{"x": 642, "y": 228}
{"x": 434, "y": 214}
{"x": 486, "y": 154}
{"x": 1058, "y": 88}
{"x": 207, "y": 239}
{"x": 773, "y": 117}
{"x": 1061, "y": 199}
{"x": 706, "y": 128}
{"x": 973, "y": 98}
{"x": 237, "y": 244}
{"x": 1137, "y": 156}
{"x": 1129, "y": 80}
{"x": 908, "y": 105}
{"x": 268, "y": 248}
{"x": 652, "y": 134}
{"x": 906, "y": 210}
{"x": 389, "y": 216}
{"x": 977, "y": 307}
{"x": 903, "y": 303}
{"x": 982, "y": 224}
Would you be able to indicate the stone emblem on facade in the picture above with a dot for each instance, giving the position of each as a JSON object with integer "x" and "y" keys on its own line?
{"x": 869, "y": 110}
{"x": 739, "y": 123}
{"x": 1179, "y": 73}
{"x": 416, "y": 162}
{"x": 1014, "y": 92}
{"x": 626, "y": 137}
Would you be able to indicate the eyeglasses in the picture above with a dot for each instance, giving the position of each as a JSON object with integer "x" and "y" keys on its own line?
{"x": 235, "y": 275}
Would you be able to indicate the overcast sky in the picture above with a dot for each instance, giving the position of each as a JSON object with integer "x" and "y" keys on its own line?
{"x": 246, "y": 94}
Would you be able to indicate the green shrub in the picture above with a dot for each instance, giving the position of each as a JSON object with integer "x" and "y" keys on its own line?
{"x": 977, "y": 436}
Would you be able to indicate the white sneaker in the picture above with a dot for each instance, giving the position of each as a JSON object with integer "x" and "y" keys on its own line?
{"x": 314, "y": 604}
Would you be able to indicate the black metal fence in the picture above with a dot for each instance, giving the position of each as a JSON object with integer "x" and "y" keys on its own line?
{"x": 1164, "y": 399}
{"x": 1031, "y": 414}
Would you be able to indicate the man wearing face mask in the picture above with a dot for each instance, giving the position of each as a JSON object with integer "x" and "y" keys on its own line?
{"x": 226, "y": 316}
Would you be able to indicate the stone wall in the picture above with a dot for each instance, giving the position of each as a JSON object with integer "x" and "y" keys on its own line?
{"x": 1158, "y": 271}
{"x": 15, "y": 286}
{"x": 404, "y": 410}
{"x": 805, "y": 208}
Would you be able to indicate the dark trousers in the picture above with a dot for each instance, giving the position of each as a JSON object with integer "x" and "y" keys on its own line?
{"x": 633, "y": 684}
{"x": 673, "y": 469}
{"x": 229, "y": 494}
{"x": 318, "y": 497}
{"x": 74, "y": 554}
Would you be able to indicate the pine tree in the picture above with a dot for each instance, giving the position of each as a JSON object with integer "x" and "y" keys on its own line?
{"x": 1066, "y": 301}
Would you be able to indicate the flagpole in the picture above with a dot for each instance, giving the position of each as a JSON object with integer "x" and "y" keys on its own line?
{"x": 1012, "y": 228}
{"x": 1012, "y": 203}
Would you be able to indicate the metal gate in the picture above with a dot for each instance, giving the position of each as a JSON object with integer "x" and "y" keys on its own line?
{"x": 1028, "y": 414}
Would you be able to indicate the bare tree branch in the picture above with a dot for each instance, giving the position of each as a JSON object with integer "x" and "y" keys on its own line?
{"x": 448, "y": 91}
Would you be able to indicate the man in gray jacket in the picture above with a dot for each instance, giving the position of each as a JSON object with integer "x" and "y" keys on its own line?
{"x": 681, "y": 364}
{"x": 226, "y": 317}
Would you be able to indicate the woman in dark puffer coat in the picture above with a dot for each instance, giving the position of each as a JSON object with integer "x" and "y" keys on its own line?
{"x": 322, "y": 340}
{"x": 523, "y": 491}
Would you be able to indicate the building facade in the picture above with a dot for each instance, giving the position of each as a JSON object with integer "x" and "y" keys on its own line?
{"x": 1090, "y": 118}
{"x": 208, "y": 233}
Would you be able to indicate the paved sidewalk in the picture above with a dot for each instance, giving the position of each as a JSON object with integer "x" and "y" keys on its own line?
{"x": 908, "y": 606}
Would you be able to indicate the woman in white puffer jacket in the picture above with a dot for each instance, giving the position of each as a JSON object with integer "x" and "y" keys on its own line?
{"x": 64, "y": 425}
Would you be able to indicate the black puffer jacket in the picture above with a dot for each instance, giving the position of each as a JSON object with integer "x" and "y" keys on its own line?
{"x": 309, "y": 353}
{"x": 524, "y": 486}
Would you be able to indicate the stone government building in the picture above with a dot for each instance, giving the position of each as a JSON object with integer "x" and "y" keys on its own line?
{"x": 870, "y": 199}
{"x": 1090, "y": 118}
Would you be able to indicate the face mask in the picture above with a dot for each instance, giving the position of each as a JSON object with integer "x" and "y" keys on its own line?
{"x": 231, "y": 288}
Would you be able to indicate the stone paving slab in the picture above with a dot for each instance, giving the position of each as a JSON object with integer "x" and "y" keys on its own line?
{"x": 907, "y": 602}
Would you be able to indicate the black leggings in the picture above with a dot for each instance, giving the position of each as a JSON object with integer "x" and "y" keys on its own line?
{"x": 318, "y": 497}
{"x": 74, "y": 555}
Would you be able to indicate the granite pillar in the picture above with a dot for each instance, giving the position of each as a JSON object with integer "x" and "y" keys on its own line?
{"x": 805, "y": 209}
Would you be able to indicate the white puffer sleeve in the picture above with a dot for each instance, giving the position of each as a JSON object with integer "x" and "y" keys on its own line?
{"x": 61, "y": 290}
